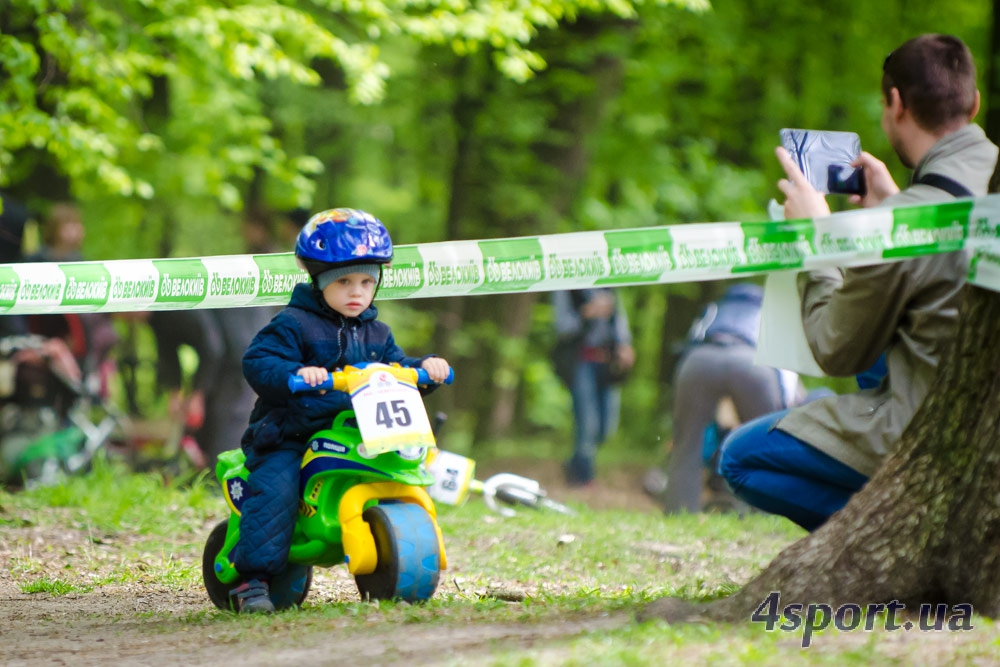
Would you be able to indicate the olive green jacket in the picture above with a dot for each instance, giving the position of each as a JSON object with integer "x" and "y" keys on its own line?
{"x": 908, "y": 309}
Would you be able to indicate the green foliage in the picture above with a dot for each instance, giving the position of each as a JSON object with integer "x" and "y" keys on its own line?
{"x": 82, "y": 81}
{"x": 449, "y": 120}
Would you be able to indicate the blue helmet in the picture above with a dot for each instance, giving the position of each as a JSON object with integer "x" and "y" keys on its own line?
{"x": 341, "y": 237}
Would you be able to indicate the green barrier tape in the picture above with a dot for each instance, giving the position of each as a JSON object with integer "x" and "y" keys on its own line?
{"x": 669, "y": 254}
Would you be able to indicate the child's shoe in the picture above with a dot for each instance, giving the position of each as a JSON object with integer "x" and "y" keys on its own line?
{"x": 253, "y": 597}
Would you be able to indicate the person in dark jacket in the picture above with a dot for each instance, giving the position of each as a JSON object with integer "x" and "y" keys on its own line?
{"x": 31, "y": 367}
{"x": 329, "y": 323}
{"x": 188, "y": 404}
{"x": 91, "y": 336}
{"x": 596, "y": 342}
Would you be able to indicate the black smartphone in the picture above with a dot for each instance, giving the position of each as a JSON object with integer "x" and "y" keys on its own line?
{"x": 825, "y": 158}
{"x": 844, "y": 179}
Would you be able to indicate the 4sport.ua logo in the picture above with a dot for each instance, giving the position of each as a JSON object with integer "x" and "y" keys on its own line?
{"x": 892, "y": 617}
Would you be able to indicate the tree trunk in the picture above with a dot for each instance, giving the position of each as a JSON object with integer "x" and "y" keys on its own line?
{"x": 466, "y": 193}
{"x": 550, "y": 164}
{"x": 510, "y": 359}
{"x": 992, "y": 116}
{"x": 564, "y": 148}
{"x": 926, "y": 527}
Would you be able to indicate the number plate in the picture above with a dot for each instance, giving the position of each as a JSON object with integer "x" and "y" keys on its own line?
{"x": 390, "y": 413}
{"x": 452, "y": 477}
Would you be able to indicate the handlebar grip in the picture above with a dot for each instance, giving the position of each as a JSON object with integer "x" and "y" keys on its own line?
{"x": 296, "y": 384}
{"x": 423, "y": 378}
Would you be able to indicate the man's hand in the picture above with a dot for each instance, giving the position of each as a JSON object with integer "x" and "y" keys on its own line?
{"x": 878, "y": 181}
{"x": 802, "y": 200}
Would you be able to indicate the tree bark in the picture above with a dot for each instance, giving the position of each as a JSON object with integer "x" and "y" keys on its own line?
{"x": 926, "y": 527}
{"x": 564, "y": 148}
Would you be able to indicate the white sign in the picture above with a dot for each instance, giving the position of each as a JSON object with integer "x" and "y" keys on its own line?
{"x": 452, "y": 476}
{"x": 390, "y": 414}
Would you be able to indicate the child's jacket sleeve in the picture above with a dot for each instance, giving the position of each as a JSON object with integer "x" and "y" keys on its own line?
{"x": 277, "y": 353}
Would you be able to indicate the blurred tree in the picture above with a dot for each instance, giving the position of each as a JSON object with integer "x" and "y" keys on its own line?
{"x": 450, "y": 121}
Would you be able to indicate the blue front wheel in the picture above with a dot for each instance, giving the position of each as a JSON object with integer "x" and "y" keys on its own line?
{"x": 409, "y": 556}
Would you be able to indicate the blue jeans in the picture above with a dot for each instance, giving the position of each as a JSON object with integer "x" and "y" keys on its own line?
{"x": 595, "y": 411}
{"x": 778, "y": 473}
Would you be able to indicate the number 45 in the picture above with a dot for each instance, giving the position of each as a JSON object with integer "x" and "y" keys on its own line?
{"x": 400, "y": 415}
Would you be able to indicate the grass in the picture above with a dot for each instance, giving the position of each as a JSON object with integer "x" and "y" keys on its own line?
{"x": 111, "y": 530}
{"x": 52, "y": 587}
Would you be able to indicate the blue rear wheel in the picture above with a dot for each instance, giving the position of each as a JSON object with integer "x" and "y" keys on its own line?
{"x": 409, "y": 556}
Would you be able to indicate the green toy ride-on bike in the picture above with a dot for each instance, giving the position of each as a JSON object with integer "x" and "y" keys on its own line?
{"x": 363, "y": 499}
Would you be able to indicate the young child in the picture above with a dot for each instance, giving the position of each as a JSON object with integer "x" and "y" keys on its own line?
{"x": 329, "y": 323}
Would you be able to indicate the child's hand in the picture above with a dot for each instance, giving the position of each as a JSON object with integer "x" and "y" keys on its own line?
{"x": 313, "y": 375}
{"x": 437, "y": 368}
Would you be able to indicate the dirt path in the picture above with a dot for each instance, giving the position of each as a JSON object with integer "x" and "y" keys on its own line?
{"x": 154, "y": 628}
{"x": 147, "y": 624}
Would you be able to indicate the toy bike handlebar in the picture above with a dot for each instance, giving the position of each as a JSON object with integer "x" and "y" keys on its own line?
{"x": 337, "y": 381}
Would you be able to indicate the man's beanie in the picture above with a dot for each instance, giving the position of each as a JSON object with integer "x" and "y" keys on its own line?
{"x": 327, "y": 277}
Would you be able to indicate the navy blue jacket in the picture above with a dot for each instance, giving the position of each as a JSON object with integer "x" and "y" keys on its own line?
{"x": 307, "y": 332}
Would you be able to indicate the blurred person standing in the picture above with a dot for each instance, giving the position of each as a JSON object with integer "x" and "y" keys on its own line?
{"x": 593, "y": 354}
{"x": 37, "y": 374}
{"x": 227, "y": 410}
{"x": 13, "y": 218}
{"x": 188, "y": 397}
{"x": 62, "y": 235}
{"x": 216, "y": 407}
{"x": 90, "y": 336}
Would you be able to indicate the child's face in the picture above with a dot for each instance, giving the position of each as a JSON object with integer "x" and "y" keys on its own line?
{"x": 350, "y": 295}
